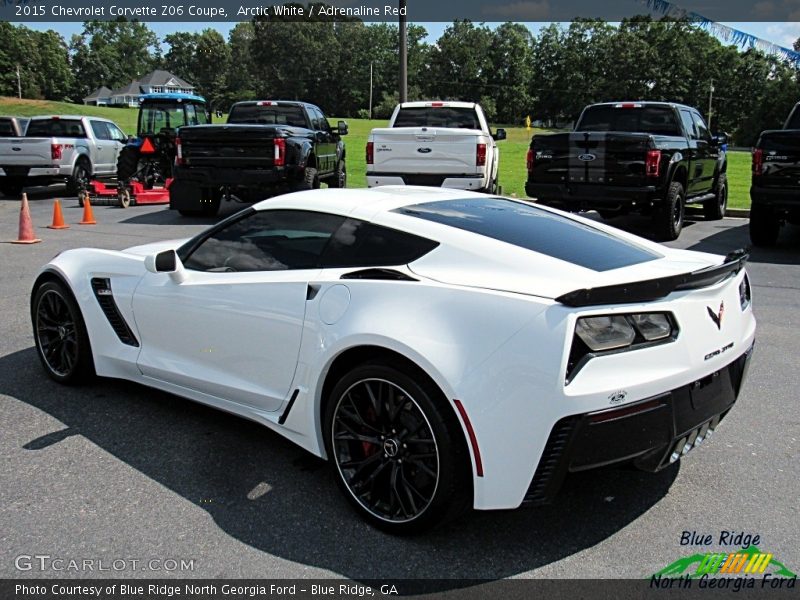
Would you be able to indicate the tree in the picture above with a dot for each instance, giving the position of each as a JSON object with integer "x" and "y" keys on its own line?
{"x": 458, "y": 64}
{"x": 511, "y": 60}
{"x": 239, "y": 78}
{"x": 42, "y": 59}
{"x": 210, "y": 65}
{"x": 180, "y": 58}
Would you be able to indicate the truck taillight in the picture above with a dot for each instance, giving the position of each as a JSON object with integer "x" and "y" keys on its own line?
{"x": 178, "y": 152}
{"x": 652, "y": 164}
{"x": 758, "y": 161}
{"x": 529, "y": 160}
{"x": 279, "y": 159}
{"x": 370, "y": 153}
{"x": 480, "y": 156}
{"x": 55, "y": 151}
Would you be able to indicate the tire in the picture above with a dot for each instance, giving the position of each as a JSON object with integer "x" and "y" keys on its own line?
{"x": 339, "y": 179}
{"x": 59, "y": 333}
{"x": 432, "y": 486}
{"x": 11, "y": 189}
{"x": 310, "y": 179}
{"x": 714, "y": 209}
{"x": 79, "y": 180}
{"x": 668, "y": 218}
{"x": 764, "y": 226}
{"x": 127, "y": 163}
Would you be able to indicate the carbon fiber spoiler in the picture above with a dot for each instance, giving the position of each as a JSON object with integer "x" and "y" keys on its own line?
{"x": 653, "y": 289}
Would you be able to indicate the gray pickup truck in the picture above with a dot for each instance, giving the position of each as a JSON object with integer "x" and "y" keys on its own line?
{"x": 60, "y": 148}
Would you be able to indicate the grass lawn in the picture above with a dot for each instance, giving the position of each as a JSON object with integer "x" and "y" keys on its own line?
{"x": 512, "y": 150}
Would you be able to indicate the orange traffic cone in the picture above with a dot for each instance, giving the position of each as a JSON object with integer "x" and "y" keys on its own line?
{"x": 25, "y": 224}
{"x": 88, "y": 215}
{"x": 58, "y": 217}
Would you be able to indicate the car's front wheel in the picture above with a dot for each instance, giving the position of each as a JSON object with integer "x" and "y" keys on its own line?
{"x": 398, "y": 449}
{"x": 60, "y": 335}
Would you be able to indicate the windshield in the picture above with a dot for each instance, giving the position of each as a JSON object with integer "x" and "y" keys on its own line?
{"x": 274, "y": 114}
{"x": 656, "y": 120}
{"x": 437, "y": 116}
{"x": 166, "y": 117}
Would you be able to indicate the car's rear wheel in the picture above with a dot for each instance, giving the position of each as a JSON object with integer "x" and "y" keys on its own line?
{"x": 11, "y": 188}
{"x": 668, "y": 218}
{"x": 310, "y": 180}
{"x": 339, "y": 178}
{"x": 60, "y": 335}
{"x": 397, "y": 448}
{"x": 714, "y": 209}
{"x": 765, "y": 225}
{"x": 79, "y": 181}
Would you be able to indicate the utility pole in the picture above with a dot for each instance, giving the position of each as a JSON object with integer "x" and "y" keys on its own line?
{"x": 19, "y": 84}
{"x": 710, "y": 98}
{"x": 403, "y": 53}
{"x": 370, "y": 90}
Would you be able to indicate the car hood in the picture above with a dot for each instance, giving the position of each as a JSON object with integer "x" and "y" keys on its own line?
{"x": 155, "y": 247}
{"x": 547, "y": 277}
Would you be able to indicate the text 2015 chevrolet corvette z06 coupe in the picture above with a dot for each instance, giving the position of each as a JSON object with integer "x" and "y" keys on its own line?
{"x": 443, "y": 349}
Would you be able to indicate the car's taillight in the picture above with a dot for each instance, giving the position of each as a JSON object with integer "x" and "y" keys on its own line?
{"x": 758, "y": 161}
{"x": 279, "y": 159}
{"x": 480, "y": 155}
{"x": 529, "y": 160}
{"x": 55, "y": 151}
{"x": 178, "y": 152}
{"x": 370, "y": 153}
{"x": 652, "y": 164}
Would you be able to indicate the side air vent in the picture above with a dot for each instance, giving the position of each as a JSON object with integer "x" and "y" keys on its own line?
{"x": 552, "y": 466}
{"x": 102, "y": 291}
{"x": 385, "y": 274}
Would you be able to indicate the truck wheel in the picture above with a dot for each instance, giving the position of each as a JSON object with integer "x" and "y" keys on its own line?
{"x": 668, "y": 218}
{"x": 310, "y": 179}
{"x": 127, "y": 163}
{"x": 339, "y": 179}
{"x": 764, "y": 225}
{"x": 714, "y": 209}
{"x": 11, "y": 188}
{"x": 79, "y": 180}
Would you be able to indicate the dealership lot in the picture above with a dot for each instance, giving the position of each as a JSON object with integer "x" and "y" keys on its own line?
{"x": 119, "y": 472}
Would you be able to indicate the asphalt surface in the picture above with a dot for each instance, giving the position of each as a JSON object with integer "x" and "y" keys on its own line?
{"x": 118, "y": 471}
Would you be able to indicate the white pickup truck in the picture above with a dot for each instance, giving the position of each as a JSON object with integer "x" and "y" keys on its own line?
{"x": 439, "y": 144}
{"x": 60, "y": 148}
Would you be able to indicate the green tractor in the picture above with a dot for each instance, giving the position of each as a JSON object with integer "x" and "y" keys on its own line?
{"x": 147, "y": 159}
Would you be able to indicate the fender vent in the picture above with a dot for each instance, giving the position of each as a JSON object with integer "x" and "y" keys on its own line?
{"x": 102, "y": 291}
{"x": 552, "y": 466}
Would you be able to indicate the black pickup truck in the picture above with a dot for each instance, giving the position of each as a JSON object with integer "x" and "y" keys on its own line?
{"x": 648, "y": 157}
{"x": 266, "y": 146}
{"x": 775, "y": 188}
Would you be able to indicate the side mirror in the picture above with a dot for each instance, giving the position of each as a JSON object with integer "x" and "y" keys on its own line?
{"x": 342, "y": 127}
{"x": 720, "y": 139}
{"x": 500, "y": 134}
{"x": 166, "y": 262}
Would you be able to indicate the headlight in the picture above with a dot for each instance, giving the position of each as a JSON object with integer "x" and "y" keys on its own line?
{"x": 744, "y": 292}
{"x": 652, "y": 326}
{"x": 605, "y": 333}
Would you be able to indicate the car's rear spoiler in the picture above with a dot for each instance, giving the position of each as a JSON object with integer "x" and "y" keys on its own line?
{"x": 653, "y": 289}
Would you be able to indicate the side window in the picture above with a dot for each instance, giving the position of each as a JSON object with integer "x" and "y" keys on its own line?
{"x": 702, "y": 129}
{"x": 100, "y": 130}
{"x": 269, "y": 240}
{"x": 115, "y": 132}
{"x": 361, "y": 244}
{"x": 688, "y": 123}
{"x": 313, "y": 116}
{"x": 323, "y": 122}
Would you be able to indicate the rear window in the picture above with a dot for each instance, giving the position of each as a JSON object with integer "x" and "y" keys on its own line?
{"x": 793, "y": 122}
{"x": 437, "y": 116}
{"x": 535, "y": 229}
{"x": 56, "y": 128}
{"x": 656, "y": 120}
{"x": 280, "y": 114}
{"x": 6, "y": 129}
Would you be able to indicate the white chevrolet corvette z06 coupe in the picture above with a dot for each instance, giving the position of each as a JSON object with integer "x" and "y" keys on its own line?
{"x": 443, "y": 349}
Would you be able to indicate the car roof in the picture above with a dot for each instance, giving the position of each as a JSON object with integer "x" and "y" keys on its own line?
{"x": 438, "y": 103}
{"x": 50, "y": 117}
{"x": 643, "y": 103}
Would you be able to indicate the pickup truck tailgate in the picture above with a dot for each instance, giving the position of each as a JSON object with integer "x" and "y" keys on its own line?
{"x": 780, "y": 159}
{"x": 591, "y": 158}
{"x": 26, "y": 152}
{"x": 242, "y": 146}
{"x": 428, "y": 150}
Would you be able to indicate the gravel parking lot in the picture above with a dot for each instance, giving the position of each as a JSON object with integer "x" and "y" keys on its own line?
{"x": 118, "y": 471}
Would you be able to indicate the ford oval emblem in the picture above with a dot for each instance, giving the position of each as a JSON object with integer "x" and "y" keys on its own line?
{"x": 424, "y": 150}
{"x": 586, "y": 157}
{"x": 16, "y": 148}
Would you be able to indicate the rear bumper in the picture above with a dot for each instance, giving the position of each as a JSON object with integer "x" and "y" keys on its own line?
{"x": 780, "y": 198}
{"x": 652, "y": 433}
{"x": 583, "y": 197}
{"x": 38, "y": 172}
{"x": 478, "y": 181}
{"x": 215, "y": 177}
